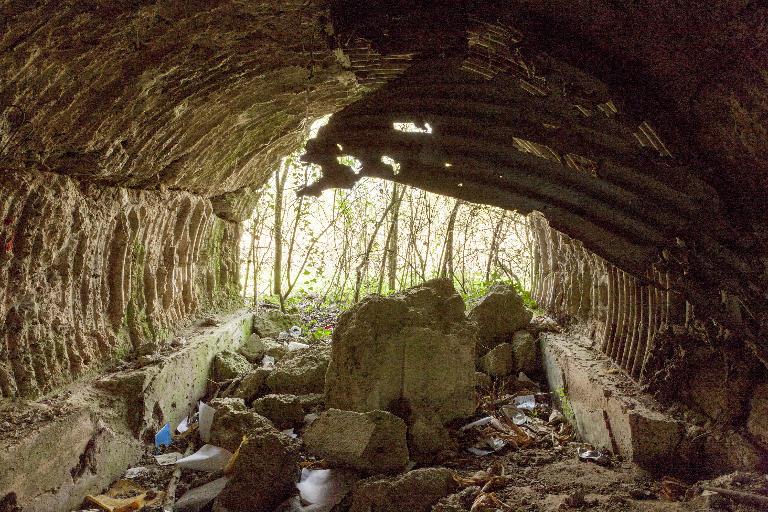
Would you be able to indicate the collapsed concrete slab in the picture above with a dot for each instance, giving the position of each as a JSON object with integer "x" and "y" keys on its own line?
{"x": 411, "y": 353}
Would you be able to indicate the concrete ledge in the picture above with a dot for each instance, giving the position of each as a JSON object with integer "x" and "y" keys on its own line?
{"x": 609, "y": 411}
{"x": 101, "y": 427}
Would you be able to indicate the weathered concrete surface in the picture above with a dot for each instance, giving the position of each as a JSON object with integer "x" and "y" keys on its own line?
{"x": 373, "y": 442}
{"x": 415, "y": 491}
{"x": 91, "y": 274}
{"x": 168, "y": 391}
{"x": 498, "y": 315}
{"x": 52, "y": 466}
{"x": 606, "y": 410}
{"x": 411, "y": 353}
{"x": 301, "y": 371}
{"x": 264, "y": 473}
{"x": 233, "y": 420}
{"x": 100, "y": 429}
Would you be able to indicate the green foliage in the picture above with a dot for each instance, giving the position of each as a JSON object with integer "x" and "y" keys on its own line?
{"x": 565, "y": 404}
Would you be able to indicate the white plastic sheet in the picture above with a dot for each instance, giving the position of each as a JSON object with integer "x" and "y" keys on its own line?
{"x": 183, "y": 426}
{"x": 325, "y": 487}
{"x": 208, "y": 458}
{"x": 488, "y": 420}
{"x": 205, "y": 419}
{"x": 527, "y": 402}
{"x": 517, "y": 416}
{"x": 196, "y": 499}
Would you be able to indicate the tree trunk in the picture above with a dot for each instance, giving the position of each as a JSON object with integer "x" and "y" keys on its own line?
{"x": 447, "y": 267}
{"x": 280, "y": 176}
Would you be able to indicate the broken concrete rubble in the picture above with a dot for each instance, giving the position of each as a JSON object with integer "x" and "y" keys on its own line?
{"x": 301, "y": 372}
{"x": 372, "y": 442}
{"x": 525, "y": 353}
{"x": 229, "y": 365}
{"x": 498, "y": 316}
{"x": 411, "y": 353}
{"x": 264, "y": 473}
{"x": 232, "y": 421}
{"x": 415, "y": 491}
{"x": 252, "y": 386}
{"x": 499, "y": 361}
{"x": 256, "y": 348}
{"x": 285, "y": 411}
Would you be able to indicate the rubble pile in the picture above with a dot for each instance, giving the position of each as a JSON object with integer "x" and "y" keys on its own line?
{"x": 398, "y": 413}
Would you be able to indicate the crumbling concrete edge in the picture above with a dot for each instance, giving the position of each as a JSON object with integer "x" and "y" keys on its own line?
{"x": 607, "y": 408}
{"x": 83, "y": 450}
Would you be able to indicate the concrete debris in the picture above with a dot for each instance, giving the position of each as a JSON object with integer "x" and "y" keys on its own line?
{"x": 499, "y": 361}
{"x": 525, "y": 353}
{"x": 229, "y": 365}
{"x": 256, "y": 348}
{"x": 285, "y": 411}
{"x": 252, "y": 385}
{"x": 415, "y": 491}
{"x": 232, "y": 421}
{"x": 372, "y": 442}
{"x": 411, "y": 353}
{"x": 301, "y": 372}
{"x": 427, "y": 435}
{"x": 498, "y": 316}
{"x": 263, "y": 474}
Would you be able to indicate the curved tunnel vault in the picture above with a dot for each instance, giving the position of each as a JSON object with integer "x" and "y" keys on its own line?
{"x": 646, "y": 147}
{"x": 134, "y": 137}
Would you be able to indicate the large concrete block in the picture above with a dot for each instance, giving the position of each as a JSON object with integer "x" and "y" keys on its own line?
{"x": 412, "y": 352}
{"x": 605, "y": 412}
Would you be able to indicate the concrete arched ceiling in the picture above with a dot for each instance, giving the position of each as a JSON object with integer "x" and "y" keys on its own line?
{"x": 205, "y": 97}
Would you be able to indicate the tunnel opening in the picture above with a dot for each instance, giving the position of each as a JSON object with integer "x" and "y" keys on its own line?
{"x": 375, "y": 237}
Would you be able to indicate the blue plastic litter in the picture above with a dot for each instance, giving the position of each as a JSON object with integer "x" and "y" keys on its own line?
{"x": 163, "y": 437}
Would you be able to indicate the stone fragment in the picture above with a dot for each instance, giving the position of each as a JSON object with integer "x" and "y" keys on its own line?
{"x": 232, "y": 421}
{"x": 253, "y": 349}
{"x": 499, "y": 361}
{"x": 427, "y": 436}
{"x": 757, "y": 423}
{"x": 415, "y": 491}
{"x": 525, "y": 353}
{"x": 229, "y": 365}
{"x": 411, "y": 353}
{"x": 301, "y": 372}
{"x": 253, "y": 385}
{"x": 270, "y": 323}
{"x": 372, "y": 442}
{"x": 285, "y": 411}
{"x": 264, "y": 473}
{"x": 498, "y": 315}
{"x": 256, "y": 348}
